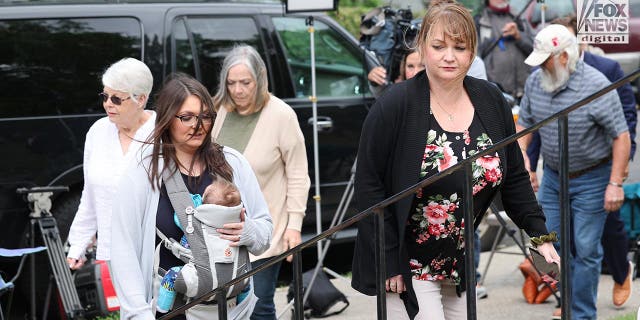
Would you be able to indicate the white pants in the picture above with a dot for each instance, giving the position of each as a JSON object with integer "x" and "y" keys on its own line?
{"x": 437, "y": 300}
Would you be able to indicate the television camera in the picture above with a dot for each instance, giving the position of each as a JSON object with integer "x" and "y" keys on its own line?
{"x": 390, "y": 34}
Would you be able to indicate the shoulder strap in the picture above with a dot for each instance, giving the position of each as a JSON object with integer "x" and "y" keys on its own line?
{"x": 179, "y": 196}
{"x": 172, "y": 245}
{"x": 183, "y": 206}
{"x": 181, "y": 201}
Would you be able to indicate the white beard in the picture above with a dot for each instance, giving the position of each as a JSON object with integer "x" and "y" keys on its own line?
{"x": 551, "y": 82}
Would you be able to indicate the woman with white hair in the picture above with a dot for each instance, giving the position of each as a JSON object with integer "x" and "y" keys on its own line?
{"x": 266, "y": 131}
{"x": 110, "y": 145}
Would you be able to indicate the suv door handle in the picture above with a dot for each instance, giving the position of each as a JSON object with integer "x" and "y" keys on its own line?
{"x": 324, "y": 123}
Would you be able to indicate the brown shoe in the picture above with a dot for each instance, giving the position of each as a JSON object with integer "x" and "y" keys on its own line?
{"x": 622, "y": 292}
{"x": 544, "y": 294}
{"x": 529, "y": 290}
{"x": 527, "y": 269}
{"x": 557, "y": 314}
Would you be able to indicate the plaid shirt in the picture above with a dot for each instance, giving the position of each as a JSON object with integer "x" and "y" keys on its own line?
{"x": 591, "y": 127}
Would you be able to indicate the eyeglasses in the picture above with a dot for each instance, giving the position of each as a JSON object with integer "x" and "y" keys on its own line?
{"x": 190, "y": 120}
{"x": 114, "y": 99}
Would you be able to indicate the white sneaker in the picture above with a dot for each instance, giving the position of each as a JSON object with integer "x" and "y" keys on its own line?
{"x": 481, "y": 292}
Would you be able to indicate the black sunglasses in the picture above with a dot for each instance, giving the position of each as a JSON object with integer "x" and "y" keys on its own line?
{"x": 114, "y": 99}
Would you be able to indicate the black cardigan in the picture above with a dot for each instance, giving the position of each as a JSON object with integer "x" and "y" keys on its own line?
{"x": 389, "y": 157}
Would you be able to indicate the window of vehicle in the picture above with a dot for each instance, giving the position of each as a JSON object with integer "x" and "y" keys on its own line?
{"x": 212, "y": 38}
{"x": 53, "y": 66}
{"x": 339, "y": 67}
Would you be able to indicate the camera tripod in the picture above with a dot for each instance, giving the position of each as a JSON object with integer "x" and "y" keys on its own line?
{"x": 40, "y": 206}
{"x": 338, "y": 217}
{"x": 505, "y": 229}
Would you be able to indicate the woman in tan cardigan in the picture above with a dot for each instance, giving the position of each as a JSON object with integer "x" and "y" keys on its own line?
{"x": 266, "y": 131}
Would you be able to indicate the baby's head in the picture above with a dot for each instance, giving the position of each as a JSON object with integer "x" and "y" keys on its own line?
{"x": 221, "y": 192}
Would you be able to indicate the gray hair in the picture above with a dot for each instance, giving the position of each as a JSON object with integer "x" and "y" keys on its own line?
{"x": 129, "y": 75}
{"x": 573, "y": 54}
{"x": 248, "y": 56}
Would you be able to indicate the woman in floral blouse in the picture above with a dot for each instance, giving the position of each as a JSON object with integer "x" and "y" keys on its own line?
{"x": 421, "y": 127}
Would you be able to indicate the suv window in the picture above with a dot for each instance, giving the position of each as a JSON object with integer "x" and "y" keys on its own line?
{"x": 211, "y": 44}
{"x": 53, "y": 66}
{"x": 339, "y": 70}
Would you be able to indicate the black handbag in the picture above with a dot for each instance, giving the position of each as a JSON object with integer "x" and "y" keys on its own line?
{"x": 323, "y": 296}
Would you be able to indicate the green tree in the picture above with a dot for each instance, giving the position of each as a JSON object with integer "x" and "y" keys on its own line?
{"x": 350, "y": 12}
{"x": 473, "y": 5}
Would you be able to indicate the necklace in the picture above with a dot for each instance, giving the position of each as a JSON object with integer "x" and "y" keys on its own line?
{"x": 449, "y": 115}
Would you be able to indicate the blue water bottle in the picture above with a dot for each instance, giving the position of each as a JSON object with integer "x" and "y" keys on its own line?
{"x": 167, "y": 294}
{"x": 243, "y": 294}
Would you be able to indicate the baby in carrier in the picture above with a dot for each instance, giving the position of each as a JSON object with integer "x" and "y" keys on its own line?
{"x": 220, "y": 204}
{"x": 221, "y": 193}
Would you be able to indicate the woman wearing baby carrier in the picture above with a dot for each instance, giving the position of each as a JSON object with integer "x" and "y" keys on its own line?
{"x": 181, "y": 142}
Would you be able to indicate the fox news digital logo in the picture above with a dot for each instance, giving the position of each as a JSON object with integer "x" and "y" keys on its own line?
{"x": 603, "y": 21}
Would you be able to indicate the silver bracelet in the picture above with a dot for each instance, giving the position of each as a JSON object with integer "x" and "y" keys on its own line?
{"x": 615, "y": 184}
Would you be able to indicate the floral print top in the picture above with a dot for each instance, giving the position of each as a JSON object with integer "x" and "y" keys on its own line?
{"x": 435, "y": 229}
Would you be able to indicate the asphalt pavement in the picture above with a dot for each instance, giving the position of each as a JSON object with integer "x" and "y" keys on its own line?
{"x": 505, "y": 301}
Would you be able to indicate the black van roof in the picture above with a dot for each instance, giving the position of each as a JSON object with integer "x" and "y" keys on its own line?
{"x": 70, "y": 2}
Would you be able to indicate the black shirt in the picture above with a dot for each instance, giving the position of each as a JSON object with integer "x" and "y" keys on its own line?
{"x": 164, "y": 217}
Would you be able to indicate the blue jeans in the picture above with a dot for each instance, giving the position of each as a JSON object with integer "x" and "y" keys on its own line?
{"x": 586, "y": 196}
{"x": 615, "y": 242}
{"x": 264, "y": 288}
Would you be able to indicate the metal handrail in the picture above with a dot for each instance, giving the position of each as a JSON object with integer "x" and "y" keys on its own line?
{"x": 378, "y": 210}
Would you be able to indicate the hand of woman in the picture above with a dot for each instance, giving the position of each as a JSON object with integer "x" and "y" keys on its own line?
{"x": 292, "y": 238}
{"x": 75, "y": 264}
{"x": 548, "y": 251}
{"x": 378, "y": 75}
{"x": 233, "y": 231}
{"x": 533, "y": 178}
{"x": 395, "y": 284}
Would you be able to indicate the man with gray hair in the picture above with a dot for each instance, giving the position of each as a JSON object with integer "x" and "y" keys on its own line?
{"x": 599, "y": 147}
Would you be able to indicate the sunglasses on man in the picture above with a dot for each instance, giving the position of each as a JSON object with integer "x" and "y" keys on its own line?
{"x": 114, "y": 99}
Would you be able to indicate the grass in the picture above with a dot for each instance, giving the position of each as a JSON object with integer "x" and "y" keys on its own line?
{"x": 111, "y": 316}
{"x": 630, "y": 316}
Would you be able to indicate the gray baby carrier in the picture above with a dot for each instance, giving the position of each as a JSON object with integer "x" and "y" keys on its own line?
{"x": 209, "y": 260}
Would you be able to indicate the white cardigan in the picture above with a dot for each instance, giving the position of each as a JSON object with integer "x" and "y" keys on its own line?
{"x": 104, "y": 163}
{"x": 134, "y": 230}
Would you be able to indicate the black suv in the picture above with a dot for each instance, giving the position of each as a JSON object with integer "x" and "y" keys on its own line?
{"x": 52, "y": 57}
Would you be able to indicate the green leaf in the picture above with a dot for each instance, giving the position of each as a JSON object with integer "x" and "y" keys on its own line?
{"x": 431, "y": 136}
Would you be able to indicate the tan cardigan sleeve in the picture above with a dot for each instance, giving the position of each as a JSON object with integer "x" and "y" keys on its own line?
{"x": 277, "y": 154}
{"x": 294, "y": 156}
